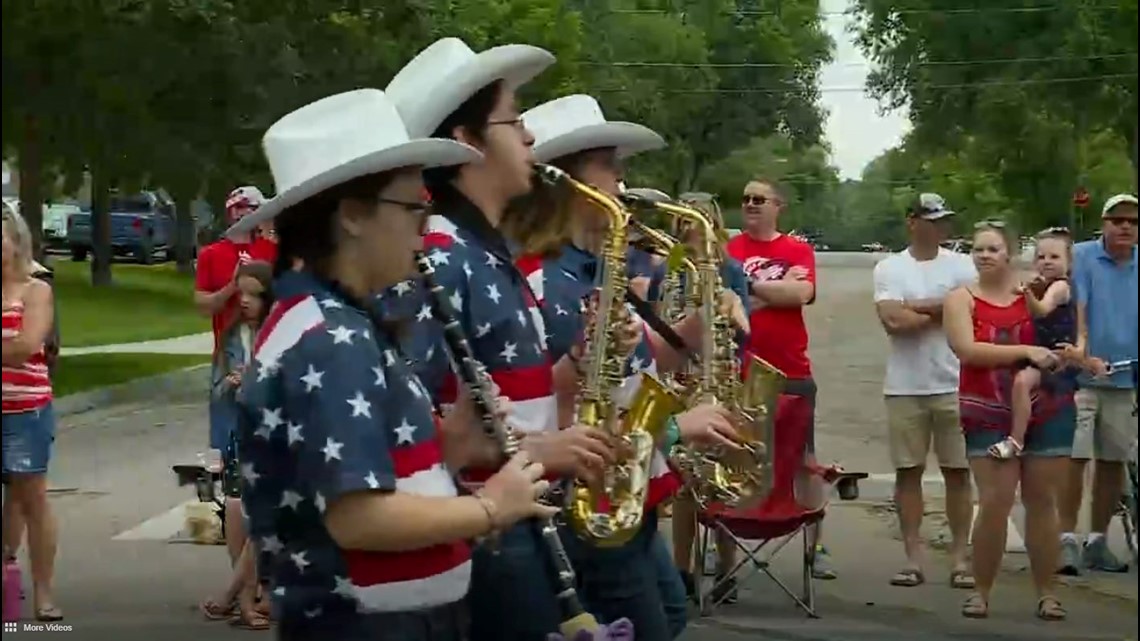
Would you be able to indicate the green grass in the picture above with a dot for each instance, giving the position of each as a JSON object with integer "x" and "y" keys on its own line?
{"x": 146, "y": 302}
{"x": 88, "y": 371}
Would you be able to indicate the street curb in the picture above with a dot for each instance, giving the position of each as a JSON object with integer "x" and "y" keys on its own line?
{"x": 179, "y": 381}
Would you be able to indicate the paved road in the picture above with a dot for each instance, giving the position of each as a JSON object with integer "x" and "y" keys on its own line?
{"x": 120, "y": 577}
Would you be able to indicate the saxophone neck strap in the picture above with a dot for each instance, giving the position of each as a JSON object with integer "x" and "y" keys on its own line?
{"x": 649, "y": 315}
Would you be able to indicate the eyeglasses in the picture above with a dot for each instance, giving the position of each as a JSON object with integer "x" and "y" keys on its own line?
{"x": 516, "y": 122}
{"x": 990, "y": 224}
{"x": 749, "y": 199}
{"x": 1054, "y": 231}
{"x": 419, "y": 210}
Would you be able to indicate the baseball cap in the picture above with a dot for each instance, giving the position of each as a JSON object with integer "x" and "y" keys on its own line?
{"x": 1118, "y": 199}
{"x": 930, "y": 206}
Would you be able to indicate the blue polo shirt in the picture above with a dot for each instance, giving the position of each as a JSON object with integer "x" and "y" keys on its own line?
{"x": 1107, "y": 291}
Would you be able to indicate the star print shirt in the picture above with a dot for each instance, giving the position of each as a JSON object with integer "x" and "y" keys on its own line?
{"x": 329, "y": 408}
{"x": 561, "y": 284}
{"x": 498, "y": 313}
{"x": 732, "y": 277}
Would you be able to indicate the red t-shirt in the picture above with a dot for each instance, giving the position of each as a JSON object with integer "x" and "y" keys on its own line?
{"x": 216, "y": 265}
{"x": 779, "y": 335}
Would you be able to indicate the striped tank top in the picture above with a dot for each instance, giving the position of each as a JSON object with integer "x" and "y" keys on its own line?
{"x": 26, "y": 387}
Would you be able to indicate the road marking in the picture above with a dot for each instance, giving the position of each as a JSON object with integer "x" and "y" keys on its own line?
{"x": 163, "y": 527}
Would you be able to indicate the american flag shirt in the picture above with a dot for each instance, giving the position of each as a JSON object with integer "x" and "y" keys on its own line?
{"x": 497, "y": 311}
{"x": 331, "y": 407}
{"x": 562, "y": 284}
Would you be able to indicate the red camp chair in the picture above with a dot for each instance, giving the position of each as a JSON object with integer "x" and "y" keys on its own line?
{"x": 799, "y": 497}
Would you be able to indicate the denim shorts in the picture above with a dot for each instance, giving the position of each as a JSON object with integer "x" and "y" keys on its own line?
{"x": 442, "y": 623}
{"x": 28, "y": 437}
{"x": 1053, "y": 438}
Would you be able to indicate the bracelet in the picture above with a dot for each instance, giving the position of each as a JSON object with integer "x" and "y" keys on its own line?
{"x": 492, "y": 512}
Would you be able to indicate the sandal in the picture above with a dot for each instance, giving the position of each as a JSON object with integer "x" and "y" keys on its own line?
{"x": 975, "y": 607}
{"x": 908, "y": 578}
{"x": 1006, "y": 449}
{"x": 962, "y": 580}
{"x": 49, "y": 614}
{"x": 250, "y": 620}
{"x": 1049, "y": 609}
{"x": 215, "y": 611}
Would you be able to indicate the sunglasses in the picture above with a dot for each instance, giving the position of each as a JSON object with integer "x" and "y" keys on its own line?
{"x": 749, "y": 199}
{"x": 1054, "y": 231}
{"x": 990, "y": 224}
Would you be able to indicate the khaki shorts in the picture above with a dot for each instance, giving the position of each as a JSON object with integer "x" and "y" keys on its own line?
{"x": 1106, "y": 427}
{"x": 915, "y": 422}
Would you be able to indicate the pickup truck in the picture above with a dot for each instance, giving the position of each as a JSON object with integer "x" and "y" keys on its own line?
{"x": 142, "y": 225}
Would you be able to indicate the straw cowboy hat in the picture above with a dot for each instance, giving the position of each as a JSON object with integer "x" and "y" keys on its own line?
{"x": 446, "y": 74}
{"x": 339, "y": 138}
{"x": 575, "y": 123}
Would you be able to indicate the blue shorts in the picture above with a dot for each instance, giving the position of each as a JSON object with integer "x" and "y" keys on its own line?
{"x": 1053, "y": 438}
{"x": 28, "y": 437}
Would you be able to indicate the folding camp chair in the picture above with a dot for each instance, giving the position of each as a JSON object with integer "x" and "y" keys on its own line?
{"x": 799, "y": 496}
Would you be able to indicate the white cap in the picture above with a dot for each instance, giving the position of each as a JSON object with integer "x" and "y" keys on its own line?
{"x": 1118, "y": 199}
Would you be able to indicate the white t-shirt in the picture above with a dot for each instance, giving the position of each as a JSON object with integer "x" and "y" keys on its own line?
{"x": 921, "y": 364}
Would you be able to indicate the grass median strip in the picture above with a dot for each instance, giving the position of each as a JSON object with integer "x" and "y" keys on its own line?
{"x": 84, "y": 372}
{"x": 146, "y": 302}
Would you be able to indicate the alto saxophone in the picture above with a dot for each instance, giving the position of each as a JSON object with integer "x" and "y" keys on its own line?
{"x": 611, "y": 515}
{"x": 732, "y": 477}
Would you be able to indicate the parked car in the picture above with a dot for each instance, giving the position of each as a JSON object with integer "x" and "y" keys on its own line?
{"x": 57, "y": 217}
{"x": 142, "y": 225}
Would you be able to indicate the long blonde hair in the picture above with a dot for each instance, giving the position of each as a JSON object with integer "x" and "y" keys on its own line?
{"x": 17, "y": 232}
{"x": 543, "y": 221}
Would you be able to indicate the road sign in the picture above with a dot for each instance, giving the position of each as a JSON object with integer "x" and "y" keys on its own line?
{"x": 1081, "y": 197}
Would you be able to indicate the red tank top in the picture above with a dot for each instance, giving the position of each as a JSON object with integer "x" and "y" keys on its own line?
{"x": 984, "y": 393}
{"x": 26, "y": 387}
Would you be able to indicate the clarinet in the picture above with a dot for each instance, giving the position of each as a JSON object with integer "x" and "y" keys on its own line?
{"x": 474, "y": 376}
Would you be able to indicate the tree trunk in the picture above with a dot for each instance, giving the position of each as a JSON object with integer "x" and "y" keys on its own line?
{"x": 101, "y": 255}
{"x": 184, "y": 232}
{"x": 30, "y": 166}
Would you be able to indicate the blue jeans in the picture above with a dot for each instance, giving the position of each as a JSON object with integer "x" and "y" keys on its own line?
{"x": 1052, "y": 438}
{"x": 636, "y": 581}
{"x": 512, "y": 595}
{"x": 28, "y": 437}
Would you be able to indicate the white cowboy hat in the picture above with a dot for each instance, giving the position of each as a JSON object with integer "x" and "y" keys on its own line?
{"x": 338, "y": 138}
{"x": 575, "y": 123}
{"x": 446, "y": 74}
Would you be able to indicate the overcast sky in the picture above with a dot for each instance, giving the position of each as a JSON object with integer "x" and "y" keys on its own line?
{"x": 855, "y": 128}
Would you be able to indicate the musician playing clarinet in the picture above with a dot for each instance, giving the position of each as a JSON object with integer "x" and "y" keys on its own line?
{"x": 559, "y": 241}
{"x": 449, "y": 91}
{"x": 345, "y": 462}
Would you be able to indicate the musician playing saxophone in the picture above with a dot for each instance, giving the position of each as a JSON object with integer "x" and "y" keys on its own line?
{"x": 559, "y": 240}
{"x": 732, "y": 275}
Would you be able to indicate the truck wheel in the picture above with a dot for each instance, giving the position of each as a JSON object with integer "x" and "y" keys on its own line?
{"x": 78, "y": 254}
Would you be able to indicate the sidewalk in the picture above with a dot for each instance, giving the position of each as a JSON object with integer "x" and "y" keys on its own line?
{"x": 862, "y": 605}
{"x": 190, "y": 344}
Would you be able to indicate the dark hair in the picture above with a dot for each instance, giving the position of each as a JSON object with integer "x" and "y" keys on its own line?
{"x": 307, "y": 231}
{"x": 262, "y": 272}
{"x": 541, "y": 222}
{"x": 472, "y": 116}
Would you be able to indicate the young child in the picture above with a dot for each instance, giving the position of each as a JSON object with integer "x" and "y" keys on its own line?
{"x": 1048, "y": 297}
{"x": 254, "y": 280}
